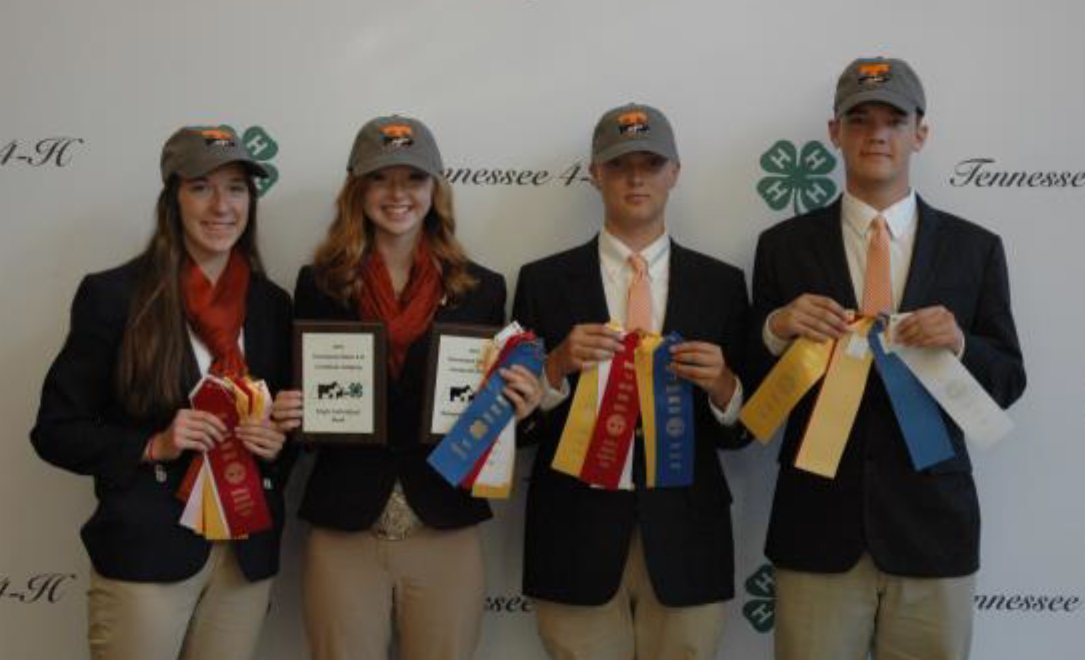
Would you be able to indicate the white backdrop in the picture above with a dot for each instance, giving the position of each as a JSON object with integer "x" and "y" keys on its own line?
{"x": 90, "y": 90}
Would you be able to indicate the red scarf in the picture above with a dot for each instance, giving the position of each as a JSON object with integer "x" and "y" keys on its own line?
{"x": 216, "y": 312}
{"x": 409, "y": 317}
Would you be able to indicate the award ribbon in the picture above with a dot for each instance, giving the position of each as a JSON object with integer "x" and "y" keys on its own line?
{"x": 645, "y": 392}
{"x": 230, "y": 492}
{"x": 917, "y": 414}
{"x": 959, "y": 394}
{"x": 625, "y": 482}
{"x": 496, "y": 352}
{"x": 494, "y": 480}
{"x": 837, "y": 403}
{"x": 579, "y": 424}
{"x": 790, "y": 379}
{"x": 671, "y": 404}
{"x": 214, "y": 523}
{"x": 612, "y": 438}
{"x": 461, "y": 450}
{"x": 237, "y": 483}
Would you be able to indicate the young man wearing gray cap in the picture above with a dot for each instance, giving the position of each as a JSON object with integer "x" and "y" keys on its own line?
{"x": 641, "y": 572}
{"x": 882, "y": 557}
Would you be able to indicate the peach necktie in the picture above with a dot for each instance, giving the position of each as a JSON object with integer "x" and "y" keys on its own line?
{"x": 877, "y": 286}
{"x": 638, "y": 311}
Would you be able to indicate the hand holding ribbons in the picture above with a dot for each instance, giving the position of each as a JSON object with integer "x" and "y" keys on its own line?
{"x": 287, "y": 410}
{"x": 648, "y": 378}
{"x": 223, "y": 494}
{"x": 930, "y": 327}
{"x": 913, "y": 369}
{"x": 585, "y": 346}
{"x": 522, "y": 389}
{"x": 478, "y": 453}
{"x": 196, "y": 430}
{"x": 703, "y": 364}
{"x": 811, "y": 316}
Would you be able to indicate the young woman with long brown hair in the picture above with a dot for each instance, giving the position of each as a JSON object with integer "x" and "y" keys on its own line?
{"x": 391, "y": 540}
{"x": 115, "y": 406}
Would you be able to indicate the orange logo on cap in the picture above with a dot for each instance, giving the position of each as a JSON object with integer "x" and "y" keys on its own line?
{"x": 633, "y": 122}
{"x": 397, "y": 135}
{"x": 874, "y": 72}
{"x": 215, "y": 134}
{"x": 216, "y": 137}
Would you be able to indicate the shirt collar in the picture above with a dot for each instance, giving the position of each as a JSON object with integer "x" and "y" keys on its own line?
{"x": 900, "y": 217}
{"x": 613, "y": 254}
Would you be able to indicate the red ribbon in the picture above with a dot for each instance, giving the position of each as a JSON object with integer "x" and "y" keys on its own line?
{"x": 613, "y": 433}
{"x": 236, "y": 475}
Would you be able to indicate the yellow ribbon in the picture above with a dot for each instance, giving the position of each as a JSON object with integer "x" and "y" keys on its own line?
{"x": 791, "y": 378}
{"x": 493, "y": 492}
{"x": 642, "y": 359}
{"x": 576, "y": 436}
{"x": 214, "y": 525}
{"x": 837, "y": 403}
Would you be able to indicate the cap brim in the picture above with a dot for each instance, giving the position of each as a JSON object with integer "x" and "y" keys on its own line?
{"x": 898, "y": 101}
{"x": 206, "y": 166}
{"x": 392, "y": 160}
{"x": 632, "y": 146}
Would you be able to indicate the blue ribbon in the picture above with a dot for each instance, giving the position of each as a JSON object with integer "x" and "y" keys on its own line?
{"x": 917, "y": 413}
{"x": 480, "y": 424}
{"x": 674, "y": 419}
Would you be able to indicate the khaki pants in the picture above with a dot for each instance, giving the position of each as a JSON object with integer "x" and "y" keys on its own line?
{"x": 845, "y": 616}
{"x": 431, "y": 584}
{"x": 214, "y": 614}
{"x": 633, "y": 624}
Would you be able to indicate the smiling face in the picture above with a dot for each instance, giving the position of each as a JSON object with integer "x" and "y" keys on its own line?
{"x": 635, "y": 188}
{"x": 214, "y": 212}
{"x": 396, "y": 200}
{"x": 877, "y": 142}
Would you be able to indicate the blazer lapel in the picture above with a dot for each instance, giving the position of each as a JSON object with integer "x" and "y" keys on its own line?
{"x": 681, "y": 290}
{"x": 587, "y": 300}
{"x": 255, "y": 346}
{"x": 925, "y": 256}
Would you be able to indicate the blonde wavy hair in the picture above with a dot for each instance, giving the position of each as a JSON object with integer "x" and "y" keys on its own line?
{"x": 338, "y": 258}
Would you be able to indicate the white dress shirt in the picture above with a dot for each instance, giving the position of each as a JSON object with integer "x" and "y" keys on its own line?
{"x": 857, "y": 218}
{"x": 617, "y": 274}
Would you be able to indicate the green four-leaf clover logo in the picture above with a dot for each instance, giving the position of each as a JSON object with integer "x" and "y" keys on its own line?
{"x": 797, "y": 178}
{"x": 263, "y": 148}
{"x": 760, "y": 610}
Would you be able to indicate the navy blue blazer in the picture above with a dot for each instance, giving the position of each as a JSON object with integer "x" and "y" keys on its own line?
{"x": 134, "y": 533}
{"x": 921, "y": 524}
{"x": 577, "y": 536}
{"x": 349, "y": 486}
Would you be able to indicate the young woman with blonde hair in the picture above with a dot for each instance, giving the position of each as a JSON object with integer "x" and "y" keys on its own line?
{"x": 391, "y": 540}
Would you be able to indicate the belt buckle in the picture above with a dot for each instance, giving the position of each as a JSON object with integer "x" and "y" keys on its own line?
{"x": 394, "y": 528}
{"x": 397, "y": 521}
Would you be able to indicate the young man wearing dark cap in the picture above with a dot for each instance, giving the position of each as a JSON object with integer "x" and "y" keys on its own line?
{"x": 882, "y": 557}
{"x": 641, "y": 572}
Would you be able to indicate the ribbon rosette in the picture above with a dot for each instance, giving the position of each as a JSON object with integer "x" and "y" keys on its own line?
{"x": 917, "y": 381}
{"x": 222, "y": 490}
{"x": 479, "y": 452}
{"x": 610, "y": 398}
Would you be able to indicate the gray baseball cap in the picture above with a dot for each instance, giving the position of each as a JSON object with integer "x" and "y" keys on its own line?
{"x": 879, "y": 79}
{"x": 394, "y": 140}
{"x": 629, "y": 128}
{"x": 193, "y": 151}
